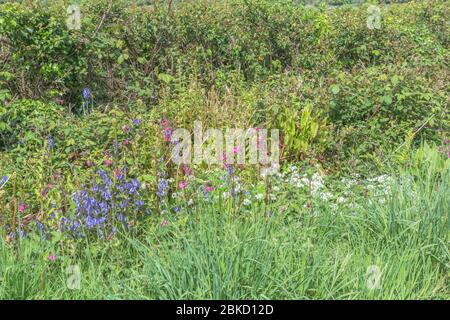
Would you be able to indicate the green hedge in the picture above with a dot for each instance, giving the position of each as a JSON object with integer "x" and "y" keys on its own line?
{"x": 374, "y": 86}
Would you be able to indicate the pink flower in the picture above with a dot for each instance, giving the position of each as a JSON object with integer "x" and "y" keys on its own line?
{"x": 117, "y": 172}
{"x": 108, "y": 162}
{"x": 22, "y": 207}
{"x": 164, "y": 223}
{"x": 209, "y": 188}
{"x": 236, "y": 150}
{"x": 183, "y": 184}
{"x": 46, "y": 190}
{"x": 165, "y": 122}
{"x": 52, "y": 257}
{"x": 187, "y": 170}
{"x": 125, "y": 129}
{"x": 167, "y": 134}
{"x": 126, "y": 142}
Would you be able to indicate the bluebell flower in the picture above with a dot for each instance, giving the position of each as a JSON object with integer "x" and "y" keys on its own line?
{"x": 106, "y": 179}
{"x": 3, "y": 180}
{"x": 139, "y": 204}
{"x": 86, "y": 93}
{"x": 137, "y": 122}
{"x": 122, "y": 219}
{"x": 94, "y": 206}
{"x": 51, "y": 142}
{"x": 22, "y": 234}
{"x": 163, "y": 185}
{"x": 40, "y": 227}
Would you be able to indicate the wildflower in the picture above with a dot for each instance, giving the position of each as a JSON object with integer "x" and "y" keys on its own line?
{"x": 108, "y": 162}
{"x": 164, "y": 223}
{"x": 51, "y": 142}
{"x": 22, "y": 207}
{"x": 22, "y": 234}
{"x": 187, "y": 170}
{"x": 139, "y": 203}
{"x": 126, "y": 142}
{"x": 176, "y": 209}
{"x": 3, "y": 181}
{"x": 182, "y": 184}
{"x": 40, "y": 226}
{"x": 126, "y": 129}
{"x": 52, "y": 257}
{"x": 137, "y": 122}
{"x": 236, "y": 150}
{"x": 165, "y": 123}
{"x": 247, "y": 202}
{"x": 190, "y": 202}
{"x": 86, "y": 93}
{"x": 207, "y": 189}
{"x": 167, "y": 134}
{"x": 59, "y": 101}
{"x": 229, "y": 169}
{"x": 163, "y": 185}
{"x": 259, "y": 196}
{"x": 117, "y": 173}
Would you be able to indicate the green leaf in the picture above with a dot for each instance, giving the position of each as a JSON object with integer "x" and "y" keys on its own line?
{"x": 387, "y": 99}
{"x": 166, "y": 78}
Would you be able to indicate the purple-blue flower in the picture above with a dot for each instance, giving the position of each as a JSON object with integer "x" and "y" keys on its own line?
{"x": 3, "y": 180}
{"x": 86, "y": 93}
{"x": 51, "y": 142}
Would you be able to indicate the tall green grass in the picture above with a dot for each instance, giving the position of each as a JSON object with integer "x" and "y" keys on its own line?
{"x": 211, "y": 254}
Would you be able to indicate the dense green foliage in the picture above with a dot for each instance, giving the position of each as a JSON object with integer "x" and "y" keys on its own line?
{"x": 367, "y": 82}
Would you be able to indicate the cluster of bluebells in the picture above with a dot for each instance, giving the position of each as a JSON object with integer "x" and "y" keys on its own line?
{"x": 12, "y": 235}
{"x": 163, "y": 188}
{"x": 98, "y": 208}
